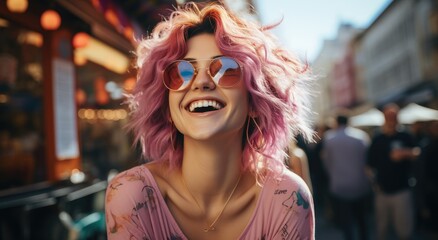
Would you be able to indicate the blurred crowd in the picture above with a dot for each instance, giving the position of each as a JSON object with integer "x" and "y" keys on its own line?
{"x": 375, "y": 182}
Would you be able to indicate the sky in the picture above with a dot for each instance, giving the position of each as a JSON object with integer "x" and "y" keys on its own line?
{"x": 307, "y": 23}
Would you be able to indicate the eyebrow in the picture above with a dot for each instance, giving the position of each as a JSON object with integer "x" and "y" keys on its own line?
{"x": 194, "y": 59}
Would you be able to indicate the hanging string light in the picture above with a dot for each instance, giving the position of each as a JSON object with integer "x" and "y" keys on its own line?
{"x": 81, "y": 40}
{"x": 17, "y": 6}
{"x": 50, "y": 20}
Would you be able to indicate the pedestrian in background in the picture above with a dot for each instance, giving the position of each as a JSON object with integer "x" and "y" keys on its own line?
{"x": 318, "y": 174}
{"x": 344, "y": 157}
{"x": 429, "y": 179}
{"x": 390, "y": 159}
{"x": 298, "y": 163}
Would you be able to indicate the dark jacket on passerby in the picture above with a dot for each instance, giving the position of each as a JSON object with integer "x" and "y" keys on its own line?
{"x": 391, "y": 176}
{"x": 429, "y": 180}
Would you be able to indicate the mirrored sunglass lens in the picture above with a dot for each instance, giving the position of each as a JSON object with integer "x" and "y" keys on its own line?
{"x": 179, "y": 75}
{"x": 225, "y": 71}
{"x": 186, "y": 71}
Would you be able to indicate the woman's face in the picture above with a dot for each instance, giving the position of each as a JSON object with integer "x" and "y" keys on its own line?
{"x": 204, "y": 110}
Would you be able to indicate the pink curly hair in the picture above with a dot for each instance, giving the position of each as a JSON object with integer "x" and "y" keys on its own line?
{"x": 276, "y": 80}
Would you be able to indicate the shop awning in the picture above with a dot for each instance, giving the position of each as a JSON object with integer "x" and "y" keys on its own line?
{"x": 372, "y": 117}
{"x": 411, "y": 113}
{"x": 416, "y": 113}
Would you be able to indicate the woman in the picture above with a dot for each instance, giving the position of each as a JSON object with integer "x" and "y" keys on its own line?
{"x": 298, "y": 163}
{"x": 214, "y": 99}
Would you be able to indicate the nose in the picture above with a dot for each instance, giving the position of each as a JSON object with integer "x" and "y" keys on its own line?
{"x": 203, "y": 80}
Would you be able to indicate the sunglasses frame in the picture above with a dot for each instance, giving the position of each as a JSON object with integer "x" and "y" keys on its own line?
{"x": 196, "y": 71}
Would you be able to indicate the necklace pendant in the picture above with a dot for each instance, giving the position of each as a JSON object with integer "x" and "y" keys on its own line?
{"x": 208, "y": 229}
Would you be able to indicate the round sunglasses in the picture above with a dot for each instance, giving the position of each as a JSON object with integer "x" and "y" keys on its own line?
{"x": 224, "y": 71}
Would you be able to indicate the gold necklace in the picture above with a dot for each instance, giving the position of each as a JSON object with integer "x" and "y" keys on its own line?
{"x": 210, "y": 227}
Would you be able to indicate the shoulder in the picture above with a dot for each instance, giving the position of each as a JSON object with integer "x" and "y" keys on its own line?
{"x": 357, "y": 134}
{"x": 137, "y": 174}
{"x": 299, "y": 154}
{"x": 289, "y": 204}
{"x": 379, "y": 136}
{"x": 129, "y": 184}
{"x": 329, "y": 134}
{"x": 289, "y": 192}
{"x": 128, "y": 194}
{"x": 404, "y": 134}
{"x": 356, "y": 131}
{"x": 290, "y": 182}
{"x": 135, "y": 207}
{"x": 135, "y": 180}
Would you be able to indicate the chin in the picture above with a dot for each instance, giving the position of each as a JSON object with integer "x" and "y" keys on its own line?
{"x": 202, "y": 136}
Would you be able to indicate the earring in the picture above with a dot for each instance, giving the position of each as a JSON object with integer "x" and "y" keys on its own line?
{"x": 171, "y": 141}
{"x": 247, "y": 133}
{"x": 171, "y": 133}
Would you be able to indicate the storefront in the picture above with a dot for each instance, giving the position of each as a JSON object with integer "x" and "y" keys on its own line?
{"x": 22, "y": 135}
{"x": 61, "y": 90}
{"x": 62, "y": 81}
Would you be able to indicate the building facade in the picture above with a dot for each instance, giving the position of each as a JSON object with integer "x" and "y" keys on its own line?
{"x": 392, "y": 60}
{"x": 389, "y": 53}
{"x": 334, "y": 67}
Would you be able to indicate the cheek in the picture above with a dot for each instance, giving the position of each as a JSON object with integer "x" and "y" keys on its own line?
{"x": 173, "y": 105}
{"x": 242, "y": 104}
{"x": 244, "y": 99}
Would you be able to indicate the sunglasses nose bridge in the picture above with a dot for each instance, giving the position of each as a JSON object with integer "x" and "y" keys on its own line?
{"x": 205, "y": 71}
{"x": 203, "y": 79}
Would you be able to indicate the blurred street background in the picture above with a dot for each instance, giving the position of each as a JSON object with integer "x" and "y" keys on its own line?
{"x": 66, "y": 64}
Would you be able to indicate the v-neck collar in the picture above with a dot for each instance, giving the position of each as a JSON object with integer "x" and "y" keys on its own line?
{"x": 173, "y": 221}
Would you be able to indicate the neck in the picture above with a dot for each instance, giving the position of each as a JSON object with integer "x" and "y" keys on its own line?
{"x": 207, "y": 209}
{"x": 211, "y": 168}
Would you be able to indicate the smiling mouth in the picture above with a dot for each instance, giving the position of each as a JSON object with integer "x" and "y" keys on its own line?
{"x": 201, "y": 106}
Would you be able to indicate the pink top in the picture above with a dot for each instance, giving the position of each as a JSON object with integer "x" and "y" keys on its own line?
{"x": 135, "y": 209}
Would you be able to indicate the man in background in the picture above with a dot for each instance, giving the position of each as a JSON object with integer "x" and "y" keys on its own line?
{"x": 390, "y": 159}
{"x": 344, "y": 157}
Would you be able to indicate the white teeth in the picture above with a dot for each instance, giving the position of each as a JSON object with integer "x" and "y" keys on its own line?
{"x": 204, "y": 103}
